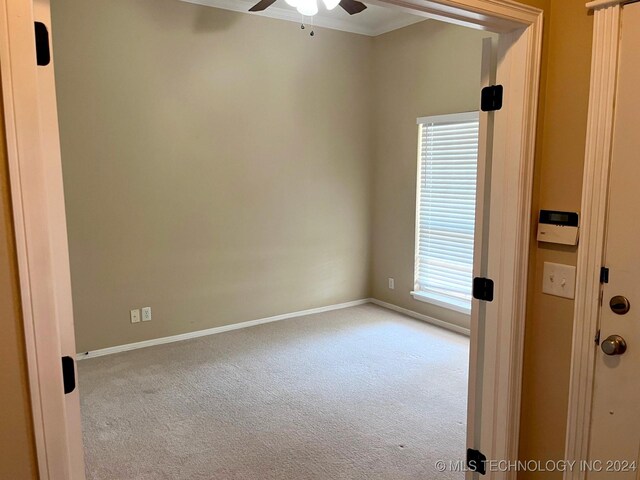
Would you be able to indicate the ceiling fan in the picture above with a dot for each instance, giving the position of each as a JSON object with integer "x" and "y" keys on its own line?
{"x": 310, "y": 8}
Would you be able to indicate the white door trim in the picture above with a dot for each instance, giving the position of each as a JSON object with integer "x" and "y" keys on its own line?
{"x": 35, "y": 223}
{"x": 510, "y": 231}
{"x": 28, "y": 181}
{"x": 604, "y": 70}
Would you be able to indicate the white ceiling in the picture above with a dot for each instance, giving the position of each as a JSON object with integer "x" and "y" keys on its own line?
{"x": 375, "y": 20}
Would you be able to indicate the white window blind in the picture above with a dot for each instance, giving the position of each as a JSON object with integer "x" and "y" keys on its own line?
{"x": 445, "y": 217}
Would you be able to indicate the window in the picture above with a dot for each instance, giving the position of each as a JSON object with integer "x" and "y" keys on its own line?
{"x": 445, "y": 216}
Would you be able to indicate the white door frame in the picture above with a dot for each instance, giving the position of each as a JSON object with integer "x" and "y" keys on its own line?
{"x": 595, "y": 191}
{"x": 39, "y": 214}
{"x": 34, "y": 222}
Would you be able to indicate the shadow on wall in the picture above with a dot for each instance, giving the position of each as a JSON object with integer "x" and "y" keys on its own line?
{"x": 203, "y": 20}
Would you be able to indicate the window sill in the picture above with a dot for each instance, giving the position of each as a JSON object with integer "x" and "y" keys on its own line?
{"x": 441, "y": 301}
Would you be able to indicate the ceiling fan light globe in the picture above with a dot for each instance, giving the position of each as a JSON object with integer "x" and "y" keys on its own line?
{"x": 292, "y": 3}
{"x": 331, "y": 4}
{"x": 308, "y": 8}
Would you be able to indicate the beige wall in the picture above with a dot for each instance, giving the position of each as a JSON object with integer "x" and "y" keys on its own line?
{"x": 216, "y": 165}
{"x": 558, "y": 185}
{"x": 218, "y": 254}
{"x": 17, "y": 449}
{"x": 429, "y": 68}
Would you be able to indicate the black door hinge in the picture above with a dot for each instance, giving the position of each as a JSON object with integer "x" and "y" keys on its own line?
{"x": 491, "y": 98}
{"x": 483, "y": 289}
{"x": 476, "y": 461}
{"x": 43, "y": 52}
{"x": 604, "y": 275}
{"x": 68, "y": 374}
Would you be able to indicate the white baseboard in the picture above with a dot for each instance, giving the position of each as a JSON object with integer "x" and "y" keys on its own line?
{"x": 260, "y": 321}
{"x": 420, "y": 316}
{"x": 213, "y": 331}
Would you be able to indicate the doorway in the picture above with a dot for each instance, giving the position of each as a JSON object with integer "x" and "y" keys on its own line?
{"x": 150, "y": 173}
{"x": 513, "y": 140}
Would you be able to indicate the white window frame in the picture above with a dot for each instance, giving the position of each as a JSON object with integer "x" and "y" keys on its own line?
{"x": 435, "y": 298}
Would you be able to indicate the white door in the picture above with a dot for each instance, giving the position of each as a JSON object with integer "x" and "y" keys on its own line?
{"x": 494, "y": 365}
{"x": 615, "y": 426}
{"x": 481, "y": 253}
{"x": 58, "y": 240}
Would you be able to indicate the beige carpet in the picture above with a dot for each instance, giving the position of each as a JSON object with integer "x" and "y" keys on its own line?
{"x": 360, "y": 393}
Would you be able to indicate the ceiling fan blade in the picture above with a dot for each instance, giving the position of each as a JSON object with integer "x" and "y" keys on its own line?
{"x": 352, "y": 6}
{"x": 262, "y": 5}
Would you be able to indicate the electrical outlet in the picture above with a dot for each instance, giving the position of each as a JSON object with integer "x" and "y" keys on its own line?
{"x": 135, "y": 315}
{"x": 392, "y": 284}
{"x": 146, "y": 314}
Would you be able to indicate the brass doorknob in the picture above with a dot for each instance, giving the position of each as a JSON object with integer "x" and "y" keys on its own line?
{"x": 614, "y": 345}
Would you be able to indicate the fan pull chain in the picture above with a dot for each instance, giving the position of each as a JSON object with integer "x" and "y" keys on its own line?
{"x": 302, "y": 25}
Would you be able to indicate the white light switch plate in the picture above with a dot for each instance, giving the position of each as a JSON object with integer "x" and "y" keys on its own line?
{"x": 135, "y": 315}
{"x": 559, "y": 280}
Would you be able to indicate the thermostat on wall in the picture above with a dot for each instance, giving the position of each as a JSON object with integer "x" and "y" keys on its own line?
{"x": 558, "y": 227}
